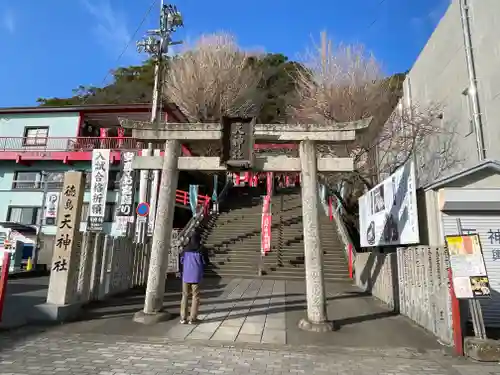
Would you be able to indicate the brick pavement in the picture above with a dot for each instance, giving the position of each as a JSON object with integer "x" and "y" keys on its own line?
{"x": 47, "y": 353}
{"x": 261, "y": 311}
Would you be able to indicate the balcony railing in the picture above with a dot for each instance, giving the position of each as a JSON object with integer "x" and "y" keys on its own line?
{"x": 54, "y": 185}
{"x": 70, "y": 144}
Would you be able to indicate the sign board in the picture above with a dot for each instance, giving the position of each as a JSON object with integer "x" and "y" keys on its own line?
{"x": 98, "y": 189}
{"x": 265, "y": 244}
{"x": 67, "y": 243}
{"x": 153, "y": 196}
{"x": 238, "y": 142}
{"x": 470, "y": 279}
{"x": 51, "y": 203}
{"x": 388, "y": 212}
{"x": 175, "y": 250}
{"x": 142, "y": 209}
{"x": 125, "y": 207}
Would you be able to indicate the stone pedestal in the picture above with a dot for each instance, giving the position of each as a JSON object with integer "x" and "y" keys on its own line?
{"x": 316, "y": 304}
{"x": 62, "y": 297}
{"x": 483, "y": 350}
{"x": 155, "y": 288}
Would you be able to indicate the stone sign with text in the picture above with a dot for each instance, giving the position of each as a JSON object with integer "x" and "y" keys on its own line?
{"x": 65, "y": 260}
{"x": 238, "y": 142}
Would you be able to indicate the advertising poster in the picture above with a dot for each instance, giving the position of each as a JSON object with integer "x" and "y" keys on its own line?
{"x": 470, "y": 279}
{"x": 388, "y": 213}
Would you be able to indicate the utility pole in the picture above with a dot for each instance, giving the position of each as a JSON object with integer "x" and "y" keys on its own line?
{"x": 156, "y": 45}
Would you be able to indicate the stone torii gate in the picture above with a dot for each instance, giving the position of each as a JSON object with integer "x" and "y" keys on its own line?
{"x": 238, "y": 135}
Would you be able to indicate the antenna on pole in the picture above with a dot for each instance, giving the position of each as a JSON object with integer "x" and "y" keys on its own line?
{"x": 156, "y": 45}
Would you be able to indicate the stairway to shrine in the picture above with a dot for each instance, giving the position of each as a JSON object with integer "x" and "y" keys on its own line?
{"x": 233, "y": 239}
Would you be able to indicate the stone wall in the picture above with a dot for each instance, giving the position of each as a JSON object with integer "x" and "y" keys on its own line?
{"x": 110, "y": 265}
{"x": 414, "y": 282}
{"x": 374, "y": 273}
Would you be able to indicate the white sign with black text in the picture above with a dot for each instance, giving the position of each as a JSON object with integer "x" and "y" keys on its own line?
{"x": 51, "y": 203}
{"x": 388, "y": 212}
{"x": 125, "y": 211}
{"x": 98, "y": 189}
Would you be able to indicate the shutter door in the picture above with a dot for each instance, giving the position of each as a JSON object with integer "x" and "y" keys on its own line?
{"x": 488, "y": 228}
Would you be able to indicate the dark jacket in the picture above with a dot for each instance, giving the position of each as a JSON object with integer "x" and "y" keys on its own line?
{"x": 192, "y": 261}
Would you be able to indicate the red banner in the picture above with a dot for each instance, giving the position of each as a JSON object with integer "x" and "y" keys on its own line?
{"x": 269, "y": 183}
{"x": 265, "y": 244}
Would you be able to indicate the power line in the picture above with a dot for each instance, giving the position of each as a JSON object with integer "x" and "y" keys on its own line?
{"x": 130, "y": 41}
{"x": 381, "y": 2}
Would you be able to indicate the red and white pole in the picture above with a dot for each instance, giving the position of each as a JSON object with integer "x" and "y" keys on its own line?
{"x": 3, "y": 280}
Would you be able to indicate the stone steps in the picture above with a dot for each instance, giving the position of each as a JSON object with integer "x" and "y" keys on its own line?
{"x": 233, "y": 240}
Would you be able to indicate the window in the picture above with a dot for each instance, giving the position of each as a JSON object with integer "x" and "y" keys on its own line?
{"x": 109, "y": 212}
{"x": 35, "y": 136}
{"x": 54, "y": 180}
{"x": 27, "y": 180}
{"x": 24, "y": 215}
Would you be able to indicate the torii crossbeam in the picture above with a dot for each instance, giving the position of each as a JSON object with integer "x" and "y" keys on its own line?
{"x": 237, "y": 136}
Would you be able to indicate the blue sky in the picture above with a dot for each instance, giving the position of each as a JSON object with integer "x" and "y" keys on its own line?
{"x": 50, "y": 47}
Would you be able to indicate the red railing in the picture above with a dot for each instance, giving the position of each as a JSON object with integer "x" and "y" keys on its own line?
{"x": 182, "y": 197}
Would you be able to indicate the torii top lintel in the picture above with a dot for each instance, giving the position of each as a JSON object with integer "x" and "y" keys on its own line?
{"x": 335, "y": 132}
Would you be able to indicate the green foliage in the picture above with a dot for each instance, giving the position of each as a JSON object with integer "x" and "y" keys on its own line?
{"x": 134, "y": 84}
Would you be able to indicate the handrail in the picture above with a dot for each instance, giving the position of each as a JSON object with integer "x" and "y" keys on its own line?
{"x": 195, "y": 221}
{"x": 333, "y": 213}
{"x": 69, "y": 144}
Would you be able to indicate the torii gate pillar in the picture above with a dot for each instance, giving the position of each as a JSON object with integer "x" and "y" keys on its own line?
{"x": 313, "y": 253}
{"x": 239, "y": 154}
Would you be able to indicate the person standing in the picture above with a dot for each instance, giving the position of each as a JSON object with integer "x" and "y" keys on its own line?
{"x": 192, "y": 262}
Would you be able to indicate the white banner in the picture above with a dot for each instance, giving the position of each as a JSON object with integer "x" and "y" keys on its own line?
{"x": 153, "y": 197}
{"x": 51, "y": 203}
{"x": 388, "y": 212}
{"x": 125, "y": 208}
{"x": 98, "y": 189}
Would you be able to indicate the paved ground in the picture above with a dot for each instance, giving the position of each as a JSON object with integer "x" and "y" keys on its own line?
{"x": 50, "y": 353}
{"x": 246, "y": 325}
{"x": 22, "y": 295}
{"x": 256, "y": 311}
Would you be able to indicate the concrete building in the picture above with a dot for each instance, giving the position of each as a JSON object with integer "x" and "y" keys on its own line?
{"x": 465, "y": 87}
{"x": 39, "y": 144}
{"x": 457, "y": 74}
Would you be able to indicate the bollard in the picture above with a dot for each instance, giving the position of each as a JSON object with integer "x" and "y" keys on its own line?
{"x": 3, "y": 280}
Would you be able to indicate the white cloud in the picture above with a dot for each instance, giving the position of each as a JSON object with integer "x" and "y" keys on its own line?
{"x": 111, "y": 25}
{"x": 431, "y": 19}
{"x": 8, "y": 21}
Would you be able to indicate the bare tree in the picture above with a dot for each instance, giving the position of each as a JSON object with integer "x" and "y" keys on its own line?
{"x": 213, "y": 78}
{"x": 346, "y": 83}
